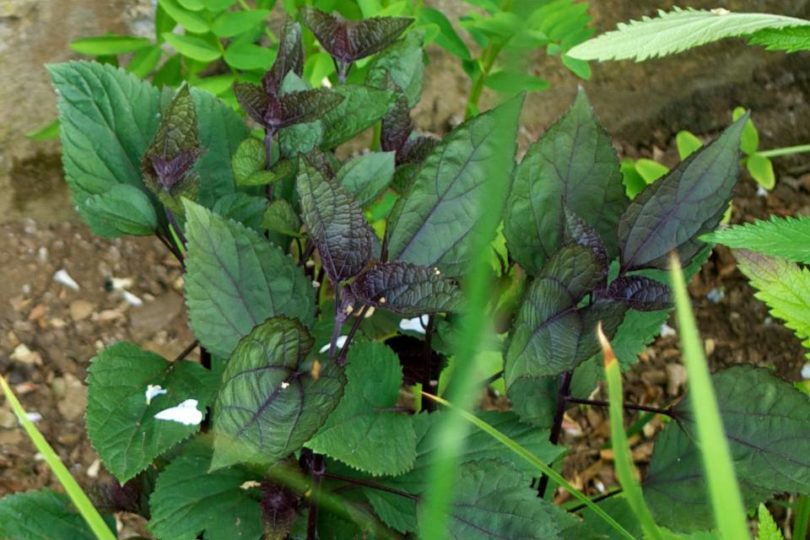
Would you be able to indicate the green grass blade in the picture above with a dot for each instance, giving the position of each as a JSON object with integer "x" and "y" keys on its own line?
{"x": 800, "y": 524}
{"x": 621, "y": 449}
{"x": 724, "y": 492}
{"x": 523, "y": 452}
{"x": 74, "y": 491}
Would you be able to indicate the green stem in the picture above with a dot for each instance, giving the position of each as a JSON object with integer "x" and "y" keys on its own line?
{"x": 487, "y": 61}
{"x": 785, "y": 151}
{"x": 800, "y": 525}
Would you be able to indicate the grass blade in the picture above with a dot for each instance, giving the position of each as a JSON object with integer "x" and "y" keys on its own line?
{"x": 74, "y": 491}
{"x": 523, "y": 452}
{"x": 724, "y": 492}
{"x": 802, "y": 517}
{"x": 621, "y": 449}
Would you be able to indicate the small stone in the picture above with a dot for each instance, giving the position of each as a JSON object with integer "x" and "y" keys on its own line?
{"x": 37, "y": 312}
{"x": 92, "y": 470}
{"x": 24, "y": 355}
{"x": 81, "y": 309}
{"x": 63, "y": 278}
{"x": 108, "y": 315}
{"x": 676, "y": 378}
{"x": 7, "y": 418}
{"x": 72, "y": 396}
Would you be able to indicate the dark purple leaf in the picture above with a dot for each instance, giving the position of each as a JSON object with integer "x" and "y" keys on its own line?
{"x": 580, "y": 233}
{"x": 252, "y": 99}
{"x": 335, "y": 223}
{"x": 670, "y": 214}
{"x": 407, "y": 289}
{"x": 396, "y": 127}
{"x": 641, "y": 293}
{"x": 577, "y": 268}
{"x": 289, "y": 58}
{"x": 168, "y": 160}
{"x": 279, "y": 111}
{"x": 348, "y": 41}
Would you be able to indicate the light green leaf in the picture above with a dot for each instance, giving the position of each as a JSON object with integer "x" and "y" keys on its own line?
{"x": 188, "y": 499}
{"x": 193, "y": 47}
{"x": 573, "y": 166}
{"x": 367, "y": 175}
{"x": 270, "y": 402}
{"x": 650, "y": 170}
{"x": 783, "y": 286}
{"x": 44, "y": 133}
{"x": 766, "y": 526}
{"x": 248, "y": 159}
{"x": 687, "y": 144}
{"x": 247, "y": 56}
{"x": 192, "y": 5}
{"x": 236, "y": 279}
{"x": 107, "y": 120}
{"x": 675, "y": 31}
{"x": 280, "y": 217}
{"x": 360, "y": 108}
{"x": 749, "y": 141}
{"x": 216, "y": 85}
{"x": 42, "y": 514}
{"x": 761, "y": 170}
{"x": 189, "y": 20}
{"x": 232, "y": 23}
{"x": 144, "y": 61}
{"x": 785, "y": 237}
{"x": 512, "y": 82}
{"x": 109, "y": 45}
{"x": 447, "y": 37}
{"x": 433, "y": 225}
{"x": 790, "y": 39}
{"x": 402, "y": 62}
{"x": 124, "y": 209}
{"x": 121, "y": 419}
{"x": 363, "y": 432}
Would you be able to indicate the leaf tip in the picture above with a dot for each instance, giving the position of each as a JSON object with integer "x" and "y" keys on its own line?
{"x": 607, "y": 349}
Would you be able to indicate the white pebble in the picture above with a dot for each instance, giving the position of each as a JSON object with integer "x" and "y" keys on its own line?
{"x": 762, "y": 192}
{"x": 132, "y": 300}
{"x": 186, "y": 413}
{"x": 34, "y": 416}
{"x": 667, "y": 330}
{"x": 63, "y": 278}
{"x": 806, "y": 372}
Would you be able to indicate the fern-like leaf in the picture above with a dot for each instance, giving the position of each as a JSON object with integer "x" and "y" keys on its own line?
{"x": 788, "y": 238}
{"x": 783, "y": 286}
{"x": 676, "y": 31}
{"x": 791, "y": 39}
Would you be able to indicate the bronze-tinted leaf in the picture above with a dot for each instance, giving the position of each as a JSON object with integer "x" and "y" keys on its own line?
{"x": 289, "y": 58}
{"x": 641, "y": 293}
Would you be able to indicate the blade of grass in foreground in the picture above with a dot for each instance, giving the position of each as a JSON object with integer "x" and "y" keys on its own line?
{"x": 621, "y": 449}
{"x": 523, "y": 452}
{"x": 724, "y": 492}
{"x": 74, "y": 491}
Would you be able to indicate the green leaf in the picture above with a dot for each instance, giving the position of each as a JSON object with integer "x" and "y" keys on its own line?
{"x": 573, "y": 165}
{"x": 749, "y": 141}
{"x": 761, "y": 170}
{"x": 687, "y": 144}
{"x": 783, "y": 286}
{"x": 270, "y": 402}
{"x": 785, "y": 237}
{"x": 494, "y": 501}
{"x": 107, "y": 118}
{"x": 188, "y": 499}
{"x": 216, "y": 85}
{"x": 447, "y": 38}
{"x": 433, "y": 224}
{"x": 42, "y": 514}
{"x": 248, "y": 159}
{"x": 402, "y": 62}
{"x": 280, "y": 217}
{"x": 360, "y": 108}
{"x": 367, "y": 175}
{"x": 144, "y": 61}
{"x": 44, "y": 133}
{"x": 246, "y": 209}
{"x": 123, "y": 209}
{"x": 650, "y": 170}
{"x": 109, "y": 45}
{"x": 790, "y": 39}
{"x": 766, "y": 526}
{"x": 673, "y": 212}
{"x": 512, "y": 82}
{"x": 675, "y": 31}
{"x": 335, "y": 222}
{"x": 578, "y": 67}
{"x": 193, "y": 47}
{"x": 233, "y": 23}
{"x": 247, "y": 56}
{"x": 363, "y": 432}
{"x": 236, "y": 279}
{"x": 189, "y": 20}
{"x": 121, "y": 419}
{"x": 407, "y": 289}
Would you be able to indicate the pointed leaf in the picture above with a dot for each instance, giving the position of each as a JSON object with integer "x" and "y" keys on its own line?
{"x": 42, "y": 514}
{"x": 767, "y": 529}
{"x": 270, "y": 402}
{"x": 121, "y": 419}
{"x": 790, "y": 39}
{"x": 233, "y": 23}
{"x": 367, "y": 175}
{"x": 101, "y": 149}
{"x": 433, "y": 224}
{"x": 280, "y": 217}
{"x": 363, "y": 432}
{"x": 785, "y": 237}
{"x": 124, "y": 209}
{"x": 673, "y": 212}
{"x": 248, "y": 159}
{"x": 396, "y": 127}
{"x": 407, "y": 289}
{"x": 110, "y": 44}
{"x": 188, "y": 500}
{"x": 253, "y": 100}
{"x": 761, "y": 170}
{"x": 289, "y": 58}
{"x": 360, "y": 108}
{"x": 193, "y": 47}
{"x": 302, "y": 107}
{"x": 573, "y": 165}
{"x": 248, "y": 56}
{"x": 242, "y": 208}
{"x": 236, "y": 279}
{"x": 402, "y": 63}
{"x": 641, "y": 293}
{"x": 335, "y": 222}
{"x": 577, "y": 231}
{"x": 349, "y": 41}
